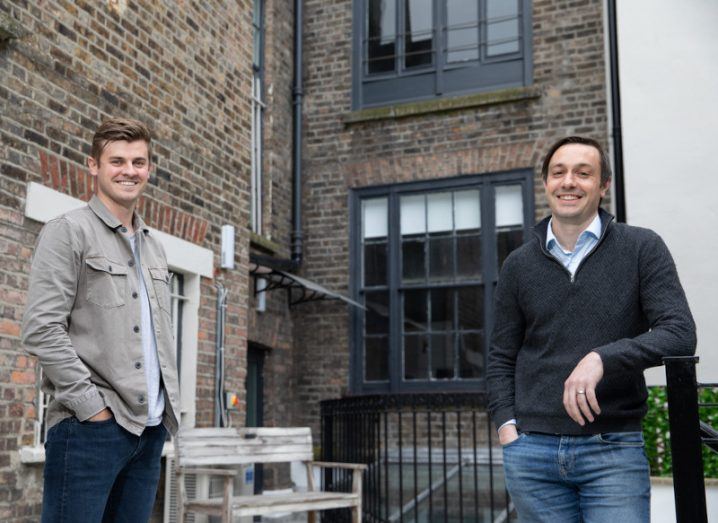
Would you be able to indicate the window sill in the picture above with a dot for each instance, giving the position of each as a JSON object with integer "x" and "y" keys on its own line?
{"x": 439, "y": 105}
{"x": 263, "y": 243}
{"x": 32, "y": 455}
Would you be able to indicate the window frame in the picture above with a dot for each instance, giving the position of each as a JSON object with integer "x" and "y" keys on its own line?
{"x": 489, "y": 274}
{"x": 487, "y": 73}
{"x": 258, "y": 109}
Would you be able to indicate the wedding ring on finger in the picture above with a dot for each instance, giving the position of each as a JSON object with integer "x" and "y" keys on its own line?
{"x": 580, "y": 392}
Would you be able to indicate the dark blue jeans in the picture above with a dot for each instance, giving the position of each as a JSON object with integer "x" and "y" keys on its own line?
{"x": 97, "y": 471}
{"x": 602, "y": 478}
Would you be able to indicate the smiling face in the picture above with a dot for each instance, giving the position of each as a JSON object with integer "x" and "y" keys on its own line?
{"x": 573, "y": 184}
{"x": 122, "y": 173}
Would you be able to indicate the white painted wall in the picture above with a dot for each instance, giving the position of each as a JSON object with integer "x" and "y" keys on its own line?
{"x": 668, "y": 59}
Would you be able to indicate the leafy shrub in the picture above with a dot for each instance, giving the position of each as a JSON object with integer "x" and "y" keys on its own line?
{"x": 657, "y": 435}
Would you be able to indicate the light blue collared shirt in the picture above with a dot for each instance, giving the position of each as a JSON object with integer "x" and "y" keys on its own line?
{"x": 587, "y": 240}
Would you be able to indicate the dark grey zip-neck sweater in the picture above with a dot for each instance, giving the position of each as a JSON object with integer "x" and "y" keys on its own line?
{"x": 625, "y": 302}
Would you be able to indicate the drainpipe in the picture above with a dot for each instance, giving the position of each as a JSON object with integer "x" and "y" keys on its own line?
{"x": 297, "y": 97}
{"x": 220, "y": 409}
{"x": 618, "y": 185}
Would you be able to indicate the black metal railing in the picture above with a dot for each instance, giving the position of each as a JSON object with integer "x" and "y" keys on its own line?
{"x": 688, "y": 435}
{"x": 431, "y": 457}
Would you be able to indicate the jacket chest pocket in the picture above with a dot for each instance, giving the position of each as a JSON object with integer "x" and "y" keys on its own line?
{"x": 161, "y": 283}
{"x": 106, "y": 282}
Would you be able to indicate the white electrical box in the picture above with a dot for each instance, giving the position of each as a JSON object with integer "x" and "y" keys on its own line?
{"x": 227, "y": 255}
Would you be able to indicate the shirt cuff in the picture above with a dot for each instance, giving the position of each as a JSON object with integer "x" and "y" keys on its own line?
{"x": 509, "y": 422}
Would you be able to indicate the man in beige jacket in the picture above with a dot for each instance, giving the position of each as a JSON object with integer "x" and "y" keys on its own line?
{"x": 98, "y": 319}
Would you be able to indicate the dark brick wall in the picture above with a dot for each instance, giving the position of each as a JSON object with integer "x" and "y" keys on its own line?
{"x": 569, "y": 78}
{"x": 185, "y": 68}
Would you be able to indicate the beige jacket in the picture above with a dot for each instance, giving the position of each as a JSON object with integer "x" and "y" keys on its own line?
{"x": 82, "y": 319}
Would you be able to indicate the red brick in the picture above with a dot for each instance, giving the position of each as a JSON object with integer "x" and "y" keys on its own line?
{"x": 9, "y": 328}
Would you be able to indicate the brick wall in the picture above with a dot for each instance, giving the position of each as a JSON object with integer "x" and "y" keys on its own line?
{"x": 569, "y": 79}
{"x": 185, "y": 69}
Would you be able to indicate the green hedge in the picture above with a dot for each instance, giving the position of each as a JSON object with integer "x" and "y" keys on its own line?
{"x": 657, "y": 435}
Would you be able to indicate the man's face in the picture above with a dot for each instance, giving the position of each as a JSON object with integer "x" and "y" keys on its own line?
{"x": 573, "y": 185}
{"x": 122, "y": 172}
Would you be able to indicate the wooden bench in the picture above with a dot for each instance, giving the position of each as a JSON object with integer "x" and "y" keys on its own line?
{"x": 214, "y": 451}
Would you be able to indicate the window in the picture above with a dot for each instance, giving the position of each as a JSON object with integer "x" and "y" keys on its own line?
{"x": 258, "y": 105}
{"x": 427, "y": 260}
{"x": 420, "y": 49}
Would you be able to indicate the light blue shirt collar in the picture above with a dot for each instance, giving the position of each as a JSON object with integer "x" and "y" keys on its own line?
{"x": 593, "y": 229}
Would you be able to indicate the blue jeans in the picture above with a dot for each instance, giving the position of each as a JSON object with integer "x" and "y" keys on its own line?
{"x": 97, "y": 471}
{"x": 601, "y": 478}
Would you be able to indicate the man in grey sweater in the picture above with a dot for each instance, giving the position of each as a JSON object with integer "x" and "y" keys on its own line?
{"x": 582, "y": 309}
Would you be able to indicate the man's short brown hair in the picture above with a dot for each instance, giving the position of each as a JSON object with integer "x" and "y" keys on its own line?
{"x": 605, "y": 162}
{"x": 116, "y": 129}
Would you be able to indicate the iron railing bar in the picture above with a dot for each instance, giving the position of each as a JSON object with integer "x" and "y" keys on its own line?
{"x": 431, "y": 492}
{"x": 476, "y": 468}
{"x": 386, "y": 465}
{"x": 401, "y": 467}
{"x": 416, "y": 475}
{"x": 446, "y": 481}
{"x": 461, "y": 480}
{"x": 491, "y": 469}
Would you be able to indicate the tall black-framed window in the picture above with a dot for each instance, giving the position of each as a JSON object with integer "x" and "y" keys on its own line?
{"x": 408, "y": 50}
{"x": 258, "y": 107}
{"x": 425, "y": 261}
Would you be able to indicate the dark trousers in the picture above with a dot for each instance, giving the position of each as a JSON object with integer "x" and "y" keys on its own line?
{"x": 99, "y": 472}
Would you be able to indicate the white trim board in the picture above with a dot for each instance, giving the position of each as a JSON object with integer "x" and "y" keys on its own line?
{"x": 43, "y": 204}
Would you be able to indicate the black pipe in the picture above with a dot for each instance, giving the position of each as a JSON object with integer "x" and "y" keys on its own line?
{"x": 297, "y": 97}
{"x": 619, "y": 191}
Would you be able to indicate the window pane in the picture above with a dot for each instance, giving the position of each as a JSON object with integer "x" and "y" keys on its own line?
{"x": 382, "y": 35}
{"x": 374, "y": 218}
{"x": 413, "y": 259}
{"x": 442, "y": 309}
{"x": 441, "y": 258}
{"x": 418, "y": 37}
{"x": 471, "y": 307}
{"x": 506, "y": 241}
{"x": 415, "y": 357}
{"x": 415, "y": 310}
{"x": 377, "y": 314}
{"x": 502, "y": 27}
{"x": 509, "y": 205}
{"x": 439, "y": 212}
{"x": 471, "y": 355}
{"x": 413, "y": 214}
{"x": 375, "y": 263}
{"x": 442, "y": 356}
{"x": 467, "y": 210}
{"x": 462, "y": 30}
{"x": 376, "y": 358}
{"x": 468, "y": 252}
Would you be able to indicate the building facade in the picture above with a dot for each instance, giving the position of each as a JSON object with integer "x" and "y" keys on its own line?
{"x": 213, "y": 81}
{"x": 425, "y": 129}
{"x": 421, "y": 130}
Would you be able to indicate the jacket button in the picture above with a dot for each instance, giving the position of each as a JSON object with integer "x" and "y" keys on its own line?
{"x": 131, "y": 263}
{"x": 123, "y": 229}
{"x": 136, "y": 328}
{"x": 134, "y": 295}
{"x": 109, "y": 268}
{"x": 138, "y": 365}
{"x": 141, "y": 399}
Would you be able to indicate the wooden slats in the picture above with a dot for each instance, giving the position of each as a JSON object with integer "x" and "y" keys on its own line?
{"x": 230, "y": 447}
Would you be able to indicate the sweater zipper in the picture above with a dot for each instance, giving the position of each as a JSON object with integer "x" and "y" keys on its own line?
{"x": 572, "y": 277}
